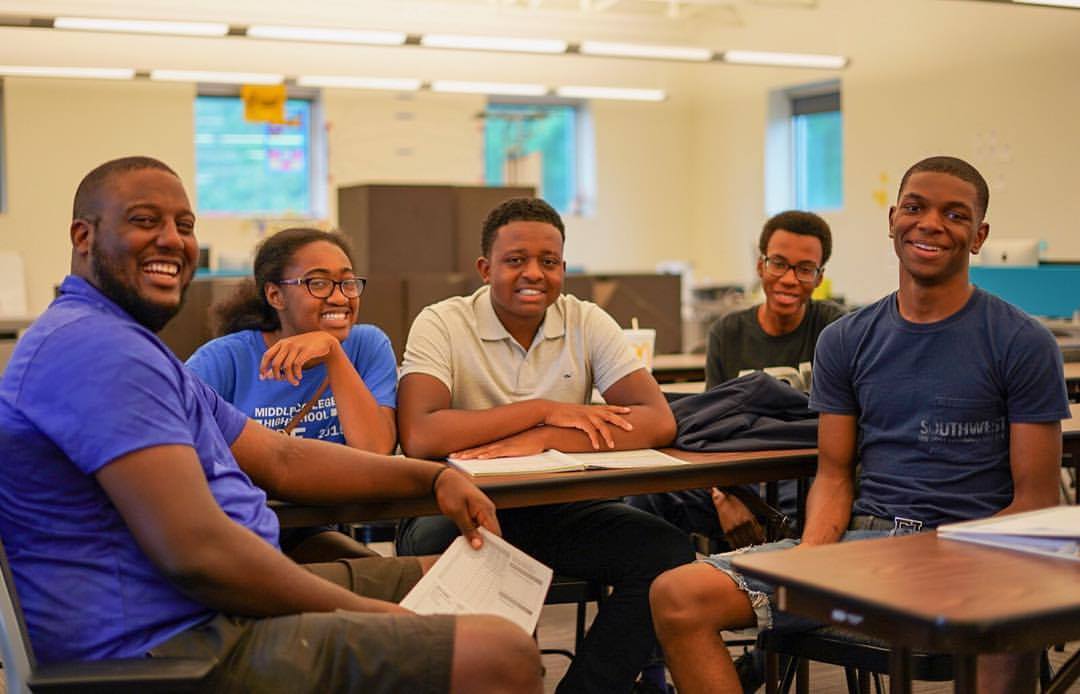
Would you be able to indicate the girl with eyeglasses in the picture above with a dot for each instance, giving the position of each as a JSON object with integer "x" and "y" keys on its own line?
{"x": 292, "y": 357}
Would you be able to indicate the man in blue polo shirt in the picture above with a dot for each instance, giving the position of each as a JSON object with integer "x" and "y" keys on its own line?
{"x": 132, "y": 500}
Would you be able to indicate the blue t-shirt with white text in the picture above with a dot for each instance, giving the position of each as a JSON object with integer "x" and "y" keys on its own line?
{"x": 230, "y": 365}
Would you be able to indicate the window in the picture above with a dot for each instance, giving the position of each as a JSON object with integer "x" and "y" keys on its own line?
{"x": 548, "y": 145}
{"x": 247, "y": 168}
{"x": 818, "y": 148}
{"x": 804, "y": 149}
{"x": 3, "y": 155}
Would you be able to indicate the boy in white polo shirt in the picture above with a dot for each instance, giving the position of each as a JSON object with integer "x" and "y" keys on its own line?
{"x": 510, "y": 370}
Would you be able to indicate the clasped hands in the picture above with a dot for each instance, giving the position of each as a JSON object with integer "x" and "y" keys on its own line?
{"x": 596, "y": 421}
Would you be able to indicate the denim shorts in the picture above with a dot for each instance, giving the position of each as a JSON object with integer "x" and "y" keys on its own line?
{"x": 762, "y": 595}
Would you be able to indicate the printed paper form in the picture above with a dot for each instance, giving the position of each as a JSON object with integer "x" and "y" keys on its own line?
{"x": 496, "y": 579}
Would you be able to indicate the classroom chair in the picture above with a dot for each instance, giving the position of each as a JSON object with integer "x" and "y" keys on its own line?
{"x": 567, "y": 590}
{"x": 862, "y": 658}
{"x": 23, "y": 674}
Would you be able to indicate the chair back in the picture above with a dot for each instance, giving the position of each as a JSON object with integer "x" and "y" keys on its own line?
{"x": 15, "y": 651}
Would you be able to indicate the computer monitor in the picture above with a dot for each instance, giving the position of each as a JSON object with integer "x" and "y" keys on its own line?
{"x": 1010, "y": 252}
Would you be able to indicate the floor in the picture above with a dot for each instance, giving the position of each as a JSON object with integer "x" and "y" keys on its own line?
{"x": 556, "y": 630}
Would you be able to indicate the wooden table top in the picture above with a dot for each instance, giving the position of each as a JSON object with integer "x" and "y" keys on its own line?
{"x": 925, "y": 592}
{"x": 510, "y": 491}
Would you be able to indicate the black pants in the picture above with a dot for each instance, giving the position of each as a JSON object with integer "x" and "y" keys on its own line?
{"x": 606, "y": 541}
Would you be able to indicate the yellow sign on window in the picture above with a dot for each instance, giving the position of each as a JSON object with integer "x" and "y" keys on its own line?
{"x": 265, "y": 104}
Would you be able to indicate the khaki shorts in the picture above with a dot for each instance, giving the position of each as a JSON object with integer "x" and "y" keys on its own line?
{"x": 333, "y": 651}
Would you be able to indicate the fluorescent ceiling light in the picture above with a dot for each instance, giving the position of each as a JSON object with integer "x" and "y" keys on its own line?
{"x": 636, "y": 50}
{"x": 139, "y": 26}
{"x": 504, "y": 88}
{"x": 1052, "y": 3}
{"x": 830, "y": 62}
{"x": 619, "y": 93}
{"x": 345, "y": 82}
{"x": 219, "y": 77}
{"x": 287, "y": 33}
{"x": 99, "y": 73}
{"x": 493, "y": 43}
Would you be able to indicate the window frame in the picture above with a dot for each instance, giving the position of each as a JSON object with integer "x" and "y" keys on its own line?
{"x": 3, "y": 154}
{"x": 583, "y": 202}
{"x": 318, "y": 193}
{"x": 782, "y": 149}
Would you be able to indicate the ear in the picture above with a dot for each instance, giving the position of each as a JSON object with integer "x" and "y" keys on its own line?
{"x": 980, "y": 237}
{"x": 760, "y": 268}
{"x": 274, "y": 296}
{"x": 892, "y": 210}
{"x": 82, "y": 236}
{"x": 483, "y": 266}
{"x": 820, "y": 276}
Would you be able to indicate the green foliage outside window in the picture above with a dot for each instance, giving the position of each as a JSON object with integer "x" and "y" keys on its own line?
{"x": 513, "y": 132}
{"x": 819, "y": 160}
{"x": 252, "y": 168}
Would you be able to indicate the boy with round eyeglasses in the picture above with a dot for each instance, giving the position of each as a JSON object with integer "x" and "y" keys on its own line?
{"x": 781, "y": 331}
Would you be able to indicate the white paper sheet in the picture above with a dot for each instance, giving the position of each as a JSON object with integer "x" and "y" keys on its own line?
{"x": 556, "y": 461}
{"x": 645, "y": 457}
{"x": 496, "y": 579}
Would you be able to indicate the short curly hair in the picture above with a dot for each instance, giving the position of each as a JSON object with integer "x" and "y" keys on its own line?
{"x": 802, "y": 223}
{"x": 518, "y": 210}
{"x": 959, "y": 169}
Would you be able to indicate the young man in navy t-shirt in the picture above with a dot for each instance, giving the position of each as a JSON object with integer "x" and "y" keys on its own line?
{"x": 951, "y": 400}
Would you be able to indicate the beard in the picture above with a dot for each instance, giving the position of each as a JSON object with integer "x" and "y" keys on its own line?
{"x": 108, "y": 277}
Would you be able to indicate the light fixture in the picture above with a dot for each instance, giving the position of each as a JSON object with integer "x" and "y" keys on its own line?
{"x": 393, "y": 84}
{"x": 97, "y": 73}
{"x": 1052, "y": 3}
{"x": 812, "y": 60}
{"x": 493, "y": 43}
{"x": 503, "y": 88}
{"x": 292, "y": 33}
{"x": 141, "y": 26}
{"x": 618, "y": 93}
{"x": 218, "y": 77}
{"x": 636, "y": 50}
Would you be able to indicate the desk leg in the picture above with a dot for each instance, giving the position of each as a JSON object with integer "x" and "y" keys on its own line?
{"x": 965, "y": 668}
{"x": 802, "y": 487}
{"x": 900, "y": 671}
{"x": 772, "y": 494}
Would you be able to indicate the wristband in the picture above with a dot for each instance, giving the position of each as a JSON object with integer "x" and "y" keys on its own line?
{"x": 435, "y": 479}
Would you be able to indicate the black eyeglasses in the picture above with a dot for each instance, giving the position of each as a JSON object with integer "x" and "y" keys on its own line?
{"x": 322, "y": 287}
{"x": 778, "y": 267}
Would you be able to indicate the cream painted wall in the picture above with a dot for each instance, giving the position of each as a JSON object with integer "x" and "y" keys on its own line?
{"x": 55, "y": 132}
{"x": 684, "y": 179}
{"x": 58, "y": 130}
{"x": 994, "y": 84}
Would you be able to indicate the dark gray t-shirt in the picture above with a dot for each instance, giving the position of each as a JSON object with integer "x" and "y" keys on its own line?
{"x": 934, "y": 402}
{"x": 737, "y": 342}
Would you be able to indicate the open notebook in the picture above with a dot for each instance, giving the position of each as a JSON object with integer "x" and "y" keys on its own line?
{"x": 1053, "y": 532}
{"x": 557, "y": 461}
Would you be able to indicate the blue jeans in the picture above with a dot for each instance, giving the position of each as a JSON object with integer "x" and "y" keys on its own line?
{"x": 762, "y": 594}
{"x": 605, "y": 541}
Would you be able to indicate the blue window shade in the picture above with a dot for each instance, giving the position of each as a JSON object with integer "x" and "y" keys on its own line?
{"x": 252, "y": 168}
{"x": 513, "y": 132}
{"x": 819, "y": 160}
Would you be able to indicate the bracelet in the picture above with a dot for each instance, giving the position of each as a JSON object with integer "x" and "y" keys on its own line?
{"x": 435, "y": 479}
